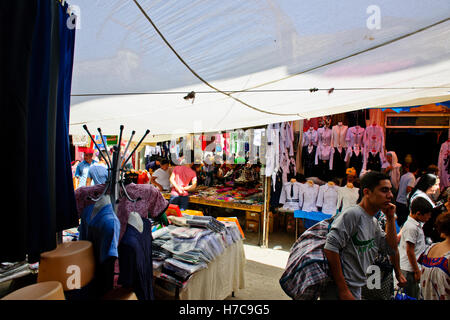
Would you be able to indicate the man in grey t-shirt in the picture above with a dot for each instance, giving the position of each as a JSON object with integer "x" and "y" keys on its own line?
{"x": 355, "y": 238}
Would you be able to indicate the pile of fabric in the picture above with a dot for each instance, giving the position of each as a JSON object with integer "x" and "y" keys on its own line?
{"x": 206, "y": 222}
{"x": 229, "y": 194}
{"x": 187, "y": 248}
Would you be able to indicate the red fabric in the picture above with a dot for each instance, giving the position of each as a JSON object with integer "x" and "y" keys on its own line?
{"x": 143, "y": 178}
{"x": 314, "y": 122}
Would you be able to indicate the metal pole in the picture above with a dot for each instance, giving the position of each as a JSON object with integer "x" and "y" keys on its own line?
{"x": 264, "y": 217}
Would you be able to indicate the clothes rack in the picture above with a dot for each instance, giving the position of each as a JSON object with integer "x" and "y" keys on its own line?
{"x": 115, "y": 165}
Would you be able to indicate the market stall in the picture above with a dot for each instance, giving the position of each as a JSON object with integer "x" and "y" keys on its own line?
{"x": 210, "y": 269}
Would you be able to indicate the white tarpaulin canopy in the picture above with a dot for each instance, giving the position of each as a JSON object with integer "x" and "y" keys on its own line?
{"x": 373, "y": 53}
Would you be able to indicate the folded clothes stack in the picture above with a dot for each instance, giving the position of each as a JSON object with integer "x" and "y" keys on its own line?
{"x": 158, "y": 252}
{"x": 195, "y": 256}
{"x": 173, "y": 280}
{"x": 232, "y": 230}
{"x": 11, "y": 270}
{"x": 178, "y": 221}
{"x": 208, "y": 222}
{"x": 187, "y": 233}
{"x": 180, "y": 270}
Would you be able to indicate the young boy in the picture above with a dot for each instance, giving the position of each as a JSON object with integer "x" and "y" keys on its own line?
{"x": 412, "y": 244}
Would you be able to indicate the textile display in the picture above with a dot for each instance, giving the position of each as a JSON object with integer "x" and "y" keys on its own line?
{"x": 38, "y": 66}
{"x": 204, "y": 264}
{"x": 444, "y": 164}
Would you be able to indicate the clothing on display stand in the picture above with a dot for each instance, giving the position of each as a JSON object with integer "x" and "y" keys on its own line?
{"x": 310, "y": 192}
{"x": 114, "y": 207}
{"x": 444, "y": 164}
{"x": 373, "y": 147}
{"x": 308, "y": 160}
{"x": 37, "y": 63}
{"x": 339, "y": 164}
{"x": 292, "y": 195}
{"x": 135, "y": 257}
{"x": 355, "y": 136}
{"x": 347, "y": 197}
{"x": 324, "y": 153}
{"x": 327, "y": 198}
{"x": 354, "y": 157}
{"x": 310, "y": 137}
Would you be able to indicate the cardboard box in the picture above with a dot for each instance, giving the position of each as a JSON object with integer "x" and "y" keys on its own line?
{"x": 251, "y": 216}
{"x": 252, "y": 226}
{"x": 290, "y": 224}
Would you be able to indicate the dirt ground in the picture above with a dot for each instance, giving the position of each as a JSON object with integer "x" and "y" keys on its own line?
{"x": 264, "y": 267}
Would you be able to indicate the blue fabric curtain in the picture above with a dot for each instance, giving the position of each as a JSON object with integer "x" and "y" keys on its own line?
{"x": 38, "y": 56}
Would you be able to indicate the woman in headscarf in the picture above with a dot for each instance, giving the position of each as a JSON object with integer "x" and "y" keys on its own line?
{"x": 392, "y": 168}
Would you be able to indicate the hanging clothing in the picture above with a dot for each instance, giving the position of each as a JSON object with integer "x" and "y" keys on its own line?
{"x": 299, "y": 148}
{"x": 373, "y": 162}
{"x": 374, "y": 139}
{"x": 308, "y": 160}
{"x": 19, "y": 31}
{"x": 66, "y": 210}
{"x": 135, "y": 261}
{"x": 373, "y": 147}
{"x": 310, "y": 137}
{"x": 324, "y": 153}
{"x": 275, "y": 193}
{"x": 100, "y": 225}
{"x": 292, "y": 196}
{"x": 355, "y": 136}
{"x": 339, "y": 165}
{"x": 338, "y": 137}
{"x": 310, "y": 193}
{"x": 284, "y": 165}
{"x": 272, "y": 151}
{"x": 40, "y": 168}
{"x": 324, "y": 136}
{"x": 151, "y": 204}
{"x": 444, "y": 164}
{"x": 327, "y": 198}
{"x": 347, "y": 197}
{"x": 355, "y": 158}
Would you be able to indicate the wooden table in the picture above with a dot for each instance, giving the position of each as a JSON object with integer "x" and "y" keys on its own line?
{"x": 227, "y": 204}
{"x": 222, "y": 204}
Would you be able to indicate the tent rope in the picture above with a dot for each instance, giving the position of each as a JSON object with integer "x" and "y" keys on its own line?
{"x": 203, "y": 80}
